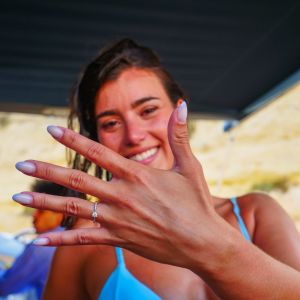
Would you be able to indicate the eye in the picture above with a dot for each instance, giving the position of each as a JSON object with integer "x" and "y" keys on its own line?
{"x": 109, "y": 125}
{"x": 148, "y": 111}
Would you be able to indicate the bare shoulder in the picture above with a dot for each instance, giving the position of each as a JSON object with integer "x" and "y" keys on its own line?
{"x": 256, "y": 201}
{"x": 263, "y": 209}
{"x": 272, "y": 229}
{"x": 263, "y": 213}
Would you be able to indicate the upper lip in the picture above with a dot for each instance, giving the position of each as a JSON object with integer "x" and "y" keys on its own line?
{"x": 139, "y": 151}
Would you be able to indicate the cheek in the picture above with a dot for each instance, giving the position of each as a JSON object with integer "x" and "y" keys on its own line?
{"x": 111, "y": 140}
{"x": 161, "y": 127}
{"x": 159, "y": 130}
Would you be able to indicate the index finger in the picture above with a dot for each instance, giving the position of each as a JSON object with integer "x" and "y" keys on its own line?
{"x": 93, "y": 151}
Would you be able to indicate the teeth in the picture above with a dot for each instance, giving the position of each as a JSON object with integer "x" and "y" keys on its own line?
{"x": 144, "y": 155}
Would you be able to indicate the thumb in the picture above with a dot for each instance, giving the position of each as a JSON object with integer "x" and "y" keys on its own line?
{"x": 184, "y": 160}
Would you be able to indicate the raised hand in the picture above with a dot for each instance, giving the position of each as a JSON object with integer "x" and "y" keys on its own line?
{"x": 166, "y": 216}
{"x": 140, "y": 209}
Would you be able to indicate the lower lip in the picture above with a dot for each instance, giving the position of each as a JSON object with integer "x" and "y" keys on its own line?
{"x": 149, "y": 159}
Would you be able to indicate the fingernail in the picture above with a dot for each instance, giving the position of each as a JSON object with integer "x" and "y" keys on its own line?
{"x": 179, "y": 102}
{"x": 43, "y": 241}
{"x": 26, "y": 167}
{"x": 22, "y": 198}
{"x": 182, "y": 113}
{"x": 55, "y": 131}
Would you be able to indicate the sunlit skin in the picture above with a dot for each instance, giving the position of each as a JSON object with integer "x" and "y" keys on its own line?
{"x": 133, "y": 113}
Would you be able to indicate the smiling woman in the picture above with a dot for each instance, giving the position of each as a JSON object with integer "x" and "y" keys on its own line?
{"x": 178, "y": 241}
{"x": 125, "y": 96}
{"x": 132, "y": 116}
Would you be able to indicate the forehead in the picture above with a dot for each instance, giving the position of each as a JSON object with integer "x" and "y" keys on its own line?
{"x": 131, "y": 85}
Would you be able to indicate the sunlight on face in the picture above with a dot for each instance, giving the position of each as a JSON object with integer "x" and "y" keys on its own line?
{"x": 133, "y": 113}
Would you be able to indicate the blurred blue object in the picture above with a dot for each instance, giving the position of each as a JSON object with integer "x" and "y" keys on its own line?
{"x": 9, "y": 246}
{"x": 27, "y": 274}
{"x": 26, "y": 295}
{"x": 229, "y": 124}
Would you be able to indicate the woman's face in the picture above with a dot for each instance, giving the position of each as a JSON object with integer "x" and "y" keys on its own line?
{"x": 132, "y": 118}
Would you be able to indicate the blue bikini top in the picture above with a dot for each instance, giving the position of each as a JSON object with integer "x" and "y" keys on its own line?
{"x": 122, "y": 285}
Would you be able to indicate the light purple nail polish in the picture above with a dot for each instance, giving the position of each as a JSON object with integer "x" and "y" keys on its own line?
{"x": 42, "y": 241}
{"x": 26, "y": 167}
{"x": 22, "y": 198}
{"x": 182, "y": 113}
{"x": 55, "y": 131}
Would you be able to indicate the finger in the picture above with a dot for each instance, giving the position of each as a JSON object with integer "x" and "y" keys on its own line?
{"x": 184, "y": 160}
{"x": 83, "y": 236}
{"x": 93, "y": 151}
{"x": 70, "y": 178}
{"x": 67, "y": 205}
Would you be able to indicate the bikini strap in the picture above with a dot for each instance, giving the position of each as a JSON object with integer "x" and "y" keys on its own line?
{"x": 120, "y": 256}
{"x": 237, "y": 213}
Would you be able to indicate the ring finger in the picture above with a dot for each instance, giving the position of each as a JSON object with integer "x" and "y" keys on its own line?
{"x": 66, "y": 205}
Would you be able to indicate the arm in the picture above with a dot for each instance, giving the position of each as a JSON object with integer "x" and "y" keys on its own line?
{"x": 248, "y": 273}
{"x": 268, "y": 268}
{"x": 275, "y": 233}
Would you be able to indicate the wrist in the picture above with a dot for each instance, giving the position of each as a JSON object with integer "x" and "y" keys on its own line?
{"x": 228, "y": 261}
{"x": 213, "y": 256}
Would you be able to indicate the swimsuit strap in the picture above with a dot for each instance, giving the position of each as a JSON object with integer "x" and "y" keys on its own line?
{"x": 120, "y": 256}
{"x": 122, "y": 285}
{"x": 242, "y": 225}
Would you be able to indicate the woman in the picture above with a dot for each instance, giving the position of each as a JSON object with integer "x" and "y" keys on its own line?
{"x": 178, "y": 241}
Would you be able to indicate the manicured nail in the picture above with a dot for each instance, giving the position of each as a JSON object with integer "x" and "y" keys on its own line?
{"x": 22, "y": 198}
{"x": 42, "y": 241}
{"x": 182, "y": 113}
{"x": 26, "y": 167}
{"x": 179, "y": 102}
{"x": 55, "y": 131}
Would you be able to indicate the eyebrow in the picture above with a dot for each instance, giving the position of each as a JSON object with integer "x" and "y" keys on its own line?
{"x": 133, "y": 105}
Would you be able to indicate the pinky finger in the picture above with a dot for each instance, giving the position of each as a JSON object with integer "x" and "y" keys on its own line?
{"x": 86, "y": 236}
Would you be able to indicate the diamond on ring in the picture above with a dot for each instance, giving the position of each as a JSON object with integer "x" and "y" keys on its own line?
{"x": 94, "y": 212}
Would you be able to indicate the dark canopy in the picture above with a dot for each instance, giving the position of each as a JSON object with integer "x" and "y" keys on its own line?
{"x": 225, "y": 54}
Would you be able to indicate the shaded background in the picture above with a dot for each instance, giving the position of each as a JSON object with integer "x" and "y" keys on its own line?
{"x": 226, "y": 54}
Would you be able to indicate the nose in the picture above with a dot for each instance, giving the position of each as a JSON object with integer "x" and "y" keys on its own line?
{"x": 135, "y": 132}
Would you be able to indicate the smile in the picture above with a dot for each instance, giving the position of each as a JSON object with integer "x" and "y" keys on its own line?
{"x": 144, "y": 155}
